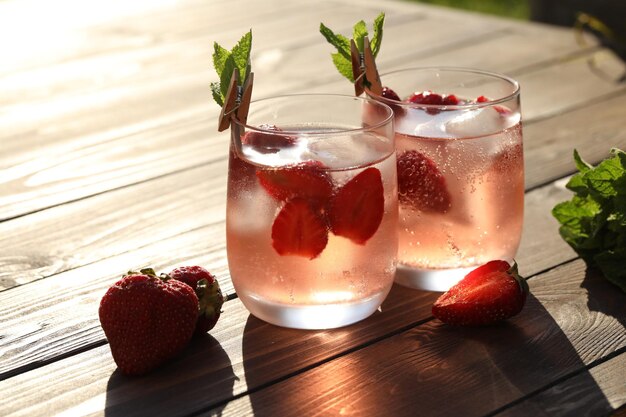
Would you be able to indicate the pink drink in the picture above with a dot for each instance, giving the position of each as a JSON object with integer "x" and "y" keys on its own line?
{"x": 460, "y": 175}
{"x": 324, "y": 276}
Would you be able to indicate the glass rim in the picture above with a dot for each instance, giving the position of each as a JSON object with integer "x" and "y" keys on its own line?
{"x": 388, "y": 119}
{"x": 475, "y": 71}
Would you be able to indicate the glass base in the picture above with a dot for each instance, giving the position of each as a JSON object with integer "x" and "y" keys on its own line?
{"x": 430, "y": 279}
{"x": 313, "y": 317}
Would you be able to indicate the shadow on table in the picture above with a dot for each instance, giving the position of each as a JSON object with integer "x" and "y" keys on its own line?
{"x": 200, "y": 377}
{"x": 435, "y": 369}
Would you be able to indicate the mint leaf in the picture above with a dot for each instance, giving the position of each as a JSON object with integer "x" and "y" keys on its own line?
{"x": 220, "y": 55}
{"x": 611, "y": 263}
{"x": 217, "y": 94}
{"x": 377, "y": 38}
{"x": 605, "y": 177}
{"x": 593, "y": 222}
{"x": 343, "y": 66}
{"x": 358, "y": 33}
{"x": 343, "y": 58}
{"x": 226, "y": 61}
{"x": 241, "y": 55}
{"x": 338, "y": 41}
{"x": 581, "y": 165}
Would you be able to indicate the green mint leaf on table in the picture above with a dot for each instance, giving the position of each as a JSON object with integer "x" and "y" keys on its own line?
{"x": 342, "y": 58}
{"x": 593, "y": 222}
{"x": 226, "y": 61}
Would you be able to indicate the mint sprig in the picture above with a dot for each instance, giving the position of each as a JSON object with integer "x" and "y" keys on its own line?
{"x": 226, "y": 61}
{"x": 342, "y": 58}
{"x": 593, "y": 222}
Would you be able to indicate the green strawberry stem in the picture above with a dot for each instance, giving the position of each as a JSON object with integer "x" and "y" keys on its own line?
{"x": 520, "y": 279}
{"x": 210, "y": 297}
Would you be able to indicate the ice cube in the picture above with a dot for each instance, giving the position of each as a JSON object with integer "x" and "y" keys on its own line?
{"x": 477, "y": 122}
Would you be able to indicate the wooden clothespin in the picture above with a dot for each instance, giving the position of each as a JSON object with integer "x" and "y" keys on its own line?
{"x": 358, "y": 68}
{"x": 364, "y": 67}
{"x": 237, "y": 102}
{"x": 371, "y": 72}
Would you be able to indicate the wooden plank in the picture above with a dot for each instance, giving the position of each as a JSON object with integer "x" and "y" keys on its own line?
{"x": 593, "y": 129}
{"x": 210, "y": 371}
{"x": 36, "y": 323}
{"x": 73, "y": 235}
{"x": 54, "y": 240}
{"x": 576, "y": 394}
{"x": 413, "y": 368}
{"x": 92, "y": 132}
{"x": 438, "y": 370}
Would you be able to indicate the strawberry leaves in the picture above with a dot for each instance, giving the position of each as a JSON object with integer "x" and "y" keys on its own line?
{"x": 226, "y": 61}
{"x": 342, "y": 58}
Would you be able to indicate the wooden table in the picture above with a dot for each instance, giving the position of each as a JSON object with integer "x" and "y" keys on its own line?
{"x": 110, "y": 160}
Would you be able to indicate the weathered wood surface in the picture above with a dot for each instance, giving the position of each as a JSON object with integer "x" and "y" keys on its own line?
{"x": 110, "y": 160}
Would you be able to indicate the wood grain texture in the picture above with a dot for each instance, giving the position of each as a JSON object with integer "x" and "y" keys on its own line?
{"x": 73, "y": 235}
{"x": 37, "y": 322}
{"x": 440, "y": 370}
{"x": 423, "y": 367}
{"x": 577, "y": 397}
{"x": 153, "y": 119}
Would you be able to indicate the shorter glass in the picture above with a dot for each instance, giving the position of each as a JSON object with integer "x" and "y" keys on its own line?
{"x": 460, "y": 171}
{"x": 312, "y": 211}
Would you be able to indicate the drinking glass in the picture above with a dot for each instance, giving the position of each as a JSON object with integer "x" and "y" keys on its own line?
{"x": 460, "y": 171}
{"x": 312, "y": 211}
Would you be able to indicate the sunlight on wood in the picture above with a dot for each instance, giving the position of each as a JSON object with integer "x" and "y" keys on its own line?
{"x": 57, "y": 27}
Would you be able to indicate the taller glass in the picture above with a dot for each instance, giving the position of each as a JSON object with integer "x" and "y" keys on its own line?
{"x": 312, "y": 209}
{"x": 460, "y": 171}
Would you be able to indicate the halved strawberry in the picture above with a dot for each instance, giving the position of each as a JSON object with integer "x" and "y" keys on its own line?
{"x": 299, "y": 230}
{"x": 490, "y": 293}
{"x": 305, "y": 180}
{"x": 267, "y": 142}
{"x": 420, "y": 184}
{"x": 358, "y": 207}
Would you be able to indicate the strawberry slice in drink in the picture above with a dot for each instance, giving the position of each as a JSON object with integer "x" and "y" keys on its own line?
{"x": 305, "y": 180}
{"x": 299, "y": 230}
{"x": 357, "y": 209}
{"x": 420, "y": 183}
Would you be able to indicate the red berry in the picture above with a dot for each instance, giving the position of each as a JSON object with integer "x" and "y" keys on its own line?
{"x": 299, "y": 230}
{"x": 420, "y": 184}
{"x": 428, "y": 97}
{"x": 267, "y": 142}
{"x": 208, "y": 291}
{"x": 388, "y": 93}
{"x": 425, "y": 97}
{"x": 147, "y": 320}
{"x": 500, "y": 109}
{"x": 450, "y": 100}
{"x": 357, "y": 209}
{"x": 306, "y": 180}
{"x": 491, "y": 293}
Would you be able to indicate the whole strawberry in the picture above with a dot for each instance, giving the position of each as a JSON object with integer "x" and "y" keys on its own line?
{"x": 208, "y": 291}
{"x": 492, "y": 292}
{"x": 147, "y": 320}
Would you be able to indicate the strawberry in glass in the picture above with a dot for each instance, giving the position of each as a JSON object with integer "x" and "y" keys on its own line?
{"x": 460, "y": 171}
{"x": 312, "y": 209}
